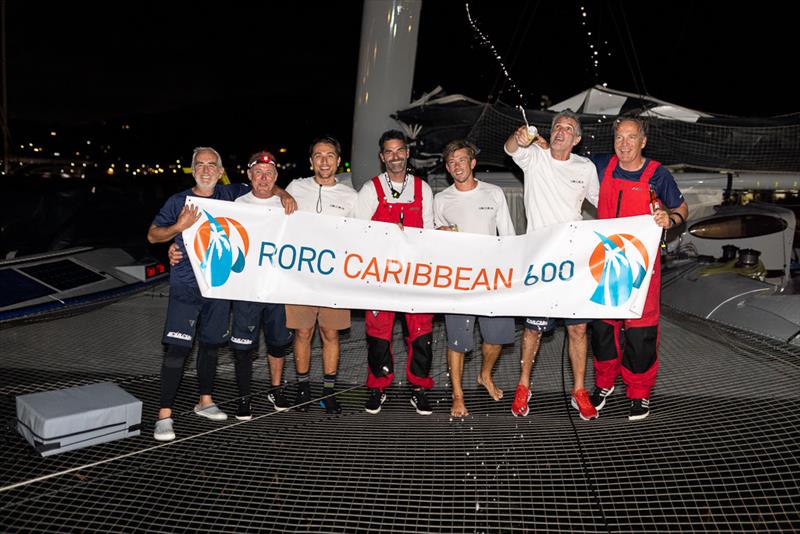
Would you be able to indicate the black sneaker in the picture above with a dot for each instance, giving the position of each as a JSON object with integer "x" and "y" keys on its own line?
{"x": 375, "y": 401}
{"x": 598, "y": 396}
{"x": 420, "y": 401}
{"x": 243, "y": 412}
{"x": 330, "y": 404}
{"x": 640, "y": 408}
{"x": 279, "y": 400}
{"x": 303, "y": 396}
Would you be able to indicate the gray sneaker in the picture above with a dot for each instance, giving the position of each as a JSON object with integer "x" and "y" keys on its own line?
{"x": 211, "y": 412}
{"x": 163, "y": 430}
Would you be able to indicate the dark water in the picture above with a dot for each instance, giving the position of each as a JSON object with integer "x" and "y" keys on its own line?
{"x": 42, "y": 212}
{"x": 46, "y": 213}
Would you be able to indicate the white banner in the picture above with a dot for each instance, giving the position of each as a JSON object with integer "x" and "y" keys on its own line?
{"x": 585, "y": 269}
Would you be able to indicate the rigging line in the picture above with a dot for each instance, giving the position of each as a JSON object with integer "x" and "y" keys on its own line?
{"x": 678, "y": 37}
{"x": 4, "y": 124}
{"x": 499, "y": 82}
{"x": 90, "y": 465}
{"x": 581, "y": 452}
{"x": 215, "y": 430}
{"x": 516, "y": 44}
{"x": 633, "y": 47}
{"x": 527, "y": 30}
{"x": 634, "y": 77}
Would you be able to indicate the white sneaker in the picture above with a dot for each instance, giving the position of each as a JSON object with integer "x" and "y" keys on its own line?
{"x": 211, "y": 412}
{"x": 163, "y": 430}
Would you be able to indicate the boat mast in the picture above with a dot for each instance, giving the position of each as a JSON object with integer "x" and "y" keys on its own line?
{"x": 386, "y": 59}
{"x": 4, "y": 103}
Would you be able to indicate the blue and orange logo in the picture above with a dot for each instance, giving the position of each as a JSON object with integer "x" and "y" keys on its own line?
{"x": 221, "y": 246}
{"x": 619, "y": 264}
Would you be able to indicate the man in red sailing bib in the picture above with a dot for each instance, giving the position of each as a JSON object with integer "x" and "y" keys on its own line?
{"x": 397, "y": 197}
{"x": 631, "y": 184}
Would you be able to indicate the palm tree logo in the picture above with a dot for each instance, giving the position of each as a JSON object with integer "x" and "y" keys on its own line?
{"x": 617, "y": 271}
{"x": 216, "y": 242}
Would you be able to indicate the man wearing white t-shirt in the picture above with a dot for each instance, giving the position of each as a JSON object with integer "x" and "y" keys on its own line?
{"x": 478, "y": 208}
{"x": 397, "y": 196}
{"x": 556, "y": 183}
{"x": 322, "y": 194}
{"x": 249, "y": 318}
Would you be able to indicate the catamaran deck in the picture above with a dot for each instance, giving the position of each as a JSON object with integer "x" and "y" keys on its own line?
{"x": 718, "y": 453}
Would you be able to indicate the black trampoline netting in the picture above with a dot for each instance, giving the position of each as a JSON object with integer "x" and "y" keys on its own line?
{"x": 718, "y": 452}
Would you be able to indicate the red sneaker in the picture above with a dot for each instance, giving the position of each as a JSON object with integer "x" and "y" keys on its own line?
{"x": 520, "y": 404}
{"x": 581, "y": 402}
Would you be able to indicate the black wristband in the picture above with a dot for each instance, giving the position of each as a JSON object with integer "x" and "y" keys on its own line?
{"x": 679, "y": 215}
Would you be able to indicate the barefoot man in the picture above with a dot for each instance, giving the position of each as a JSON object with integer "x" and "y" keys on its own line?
{"x": 478, "y": 208}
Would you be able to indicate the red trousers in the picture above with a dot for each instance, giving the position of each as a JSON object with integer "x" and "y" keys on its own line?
{"x": 637, "y": 358}
{"x": 417, "y": 331}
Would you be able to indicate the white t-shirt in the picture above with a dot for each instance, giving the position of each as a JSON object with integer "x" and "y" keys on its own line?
{"x": 554, "y": 189}
{"x": 273, "y": 202}
{"x": 338, "y": 199}
{"x": 368, "y": 198}
{"x": 482, "y": 210}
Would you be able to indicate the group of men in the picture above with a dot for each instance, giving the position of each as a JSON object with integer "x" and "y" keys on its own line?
{"x": 556, "y": 182}
{"x": 619, "y": 185}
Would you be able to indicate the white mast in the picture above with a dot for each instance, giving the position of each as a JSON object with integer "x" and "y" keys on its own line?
{"x": 385, "y": 75}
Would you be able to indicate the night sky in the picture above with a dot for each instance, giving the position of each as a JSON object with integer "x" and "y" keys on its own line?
{"x": 247, "y": 75}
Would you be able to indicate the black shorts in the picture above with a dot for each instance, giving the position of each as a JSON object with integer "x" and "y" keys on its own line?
{"x": 188, "y": 313}
{"x": 545, "y": 324}
{"x": 250, "y": 317}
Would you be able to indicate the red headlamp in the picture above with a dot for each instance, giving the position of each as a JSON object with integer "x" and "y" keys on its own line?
{"x": 263, "y": 158}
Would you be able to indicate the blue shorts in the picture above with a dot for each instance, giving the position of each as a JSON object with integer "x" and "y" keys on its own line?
{"x": 545, "y": 324}
{"x": 188, "y": 312}
{"x": 494, "y": 330}
{"x": 250, "y": 317}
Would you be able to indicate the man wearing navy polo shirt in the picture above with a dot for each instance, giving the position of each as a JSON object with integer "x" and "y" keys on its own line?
{"x": 631, "y": 184}
{"x": 188, "y": 313}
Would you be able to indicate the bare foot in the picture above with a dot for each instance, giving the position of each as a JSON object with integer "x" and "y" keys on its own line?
{"x": 459, "y": 409}
{"x": 495, "y": 392}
